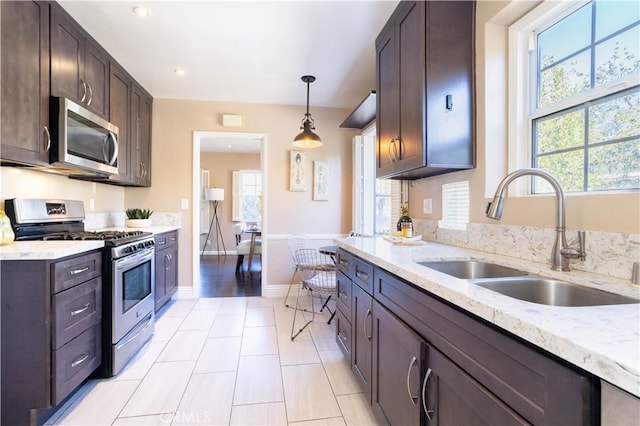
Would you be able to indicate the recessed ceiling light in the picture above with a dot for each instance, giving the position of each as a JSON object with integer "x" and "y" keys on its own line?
{"x": 179, "y": 72}
{"x": 229, "y": 146}
{"x": 141, "y": 11}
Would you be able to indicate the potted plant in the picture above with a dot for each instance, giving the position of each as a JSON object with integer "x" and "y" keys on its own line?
{"x": 138, "y": 218}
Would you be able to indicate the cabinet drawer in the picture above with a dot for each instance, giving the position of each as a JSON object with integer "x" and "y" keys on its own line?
{"x": 166, "y": 239}
{"x": 344, "y": 260}
{"x": 363, "y": 275}
{"x": 76, "y": 270}
{"x": 75, "y": 310}
{"x": 343, "y": 335}
{"x": 343, "y": 287}
{"x": 74, "y": 362}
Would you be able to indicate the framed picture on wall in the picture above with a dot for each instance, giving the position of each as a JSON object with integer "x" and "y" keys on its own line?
{"x": 320, "y": 181}
{"x": 298, "y": 171}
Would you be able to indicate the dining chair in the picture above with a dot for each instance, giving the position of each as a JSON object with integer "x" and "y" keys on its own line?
{"x": 318, "y": 279}
{"x": 243, "y": 247}
{"x": 295, "y": 242}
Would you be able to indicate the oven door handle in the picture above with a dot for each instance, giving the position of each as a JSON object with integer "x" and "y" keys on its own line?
{"x": 134, "y": 259}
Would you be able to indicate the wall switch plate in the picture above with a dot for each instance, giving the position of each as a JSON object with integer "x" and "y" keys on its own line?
{"x": 185, "y": 204}
{"x": 427, "y": 206}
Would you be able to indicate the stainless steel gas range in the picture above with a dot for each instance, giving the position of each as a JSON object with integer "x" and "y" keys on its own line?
{"x": 128, "y": 276}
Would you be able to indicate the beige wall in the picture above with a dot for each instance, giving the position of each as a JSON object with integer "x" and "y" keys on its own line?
{"x": 174, "y": 122}
{"x": 221, "y": 167}
{"x": 612, "y": 212}
{"x": 25, "y": 183}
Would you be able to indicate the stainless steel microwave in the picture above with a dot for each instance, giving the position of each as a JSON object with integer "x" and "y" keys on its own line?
{"x": 81, "y": 141}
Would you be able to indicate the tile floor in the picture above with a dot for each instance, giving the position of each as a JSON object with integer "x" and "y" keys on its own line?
{"x": 226, "y": 361}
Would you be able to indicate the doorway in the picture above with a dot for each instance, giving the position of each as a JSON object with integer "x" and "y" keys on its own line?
{"x": 214, "y": 259}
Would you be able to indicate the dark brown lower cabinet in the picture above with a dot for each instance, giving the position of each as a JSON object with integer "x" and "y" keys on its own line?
{"x": 398, "y": 368}
{"x": 166, "y": 258}
{"x": 362, "y": 338}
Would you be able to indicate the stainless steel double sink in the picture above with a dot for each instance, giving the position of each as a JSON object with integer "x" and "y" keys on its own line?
{"x": 530, "y": 288}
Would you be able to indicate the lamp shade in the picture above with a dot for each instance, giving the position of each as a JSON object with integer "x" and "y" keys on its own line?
{"x": 214, "y": 194}
{"x": 306, "y": 138}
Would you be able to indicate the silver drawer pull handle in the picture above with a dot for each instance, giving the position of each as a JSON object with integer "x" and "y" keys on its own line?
{"x": 362, "y": 275}
{"x": 81, "y": 310}
{"x": 424, "y": 395}
{"x": 411, "y": 397}
{"x": 79, "y": 271}
{"x": 80, "y": 360}
{"x": 344, "y": 262}
{"x": 161, "y": 243}
{"x": 341, "y": 336}
{"x": 364, "y": 325}
{"x": 46, "y": 131}
{"x": 343, "y": 294}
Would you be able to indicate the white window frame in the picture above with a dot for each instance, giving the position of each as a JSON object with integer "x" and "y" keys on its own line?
{"x": 236, "y": 208}
{"x": 521, "y": 96}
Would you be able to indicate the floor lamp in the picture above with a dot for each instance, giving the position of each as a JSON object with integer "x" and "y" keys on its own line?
{"x": 215, "y": 195}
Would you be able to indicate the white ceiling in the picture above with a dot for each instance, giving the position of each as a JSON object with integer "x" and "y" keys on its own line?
{"x": 243, "y": 51}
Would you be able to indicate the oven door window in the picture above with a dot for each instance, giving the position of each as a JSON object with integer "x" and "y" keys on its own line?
{"x": 136, "y": 285}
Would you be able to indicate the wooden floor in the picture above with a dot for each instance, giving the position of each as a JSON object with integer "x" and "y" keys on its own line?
{"x": 218, "y": 277}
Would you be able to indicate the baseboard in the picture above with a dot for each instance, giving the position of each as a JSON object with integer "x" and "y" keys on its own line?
{"x": 276, "y": 290}
{"x": 221, "y": 253}
{"x": 184, "y": 292}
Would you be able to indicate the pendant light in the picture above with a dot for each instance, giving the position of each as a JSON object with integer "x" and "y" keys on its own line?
{"x": 307, "y": 138}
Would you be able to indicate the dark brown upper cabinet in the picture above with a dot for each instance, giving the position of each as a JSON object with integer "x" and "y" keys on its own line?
{"x": 140, "y": 151}
{"x": 425, "y": 90}
{"x": 25, "y": 82}
{"x": 79, "y": 66}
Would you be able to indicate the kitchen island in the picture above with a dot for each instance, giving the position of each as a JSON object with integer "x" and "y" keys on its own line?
{"x": 602, "y": 340}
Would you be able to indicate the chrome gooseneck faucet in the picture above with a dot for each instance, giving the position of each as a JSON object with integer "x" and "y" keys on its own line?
{"x": 561, "y": 252}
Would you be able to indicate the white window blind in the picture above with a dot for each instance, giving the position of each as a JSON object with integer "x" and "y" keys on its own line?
{"x": 455, "y": 205}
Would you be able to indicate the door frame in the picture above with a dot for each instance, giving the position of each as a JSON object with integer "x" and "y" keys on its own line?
{"x": 195, "y": 197}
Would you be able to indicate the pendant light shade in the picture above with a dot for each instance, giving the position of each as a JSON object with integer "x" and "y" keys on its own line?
{"x": 307, "y": 138}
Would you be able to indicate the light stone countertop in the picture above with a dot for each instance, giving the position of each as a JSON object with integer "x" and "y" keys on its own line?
{"x": 51, "y": 250}
{"x": 604, "y": 340}
{"x": 46, "y": 250}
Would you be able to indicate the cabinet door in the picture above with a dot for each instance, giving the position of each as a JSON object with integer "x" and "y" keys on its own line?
{"x": 452, "y": 397}
{"x": 67, "y": 62}
{"x": 120, "y": 115}
{"x": 96, "y": 77}
{"x": 362, "y": 323}
{"x": 387, "y": 101}
{"x": 398, "y": 363}
{"x": 411, "y": 61}
{"x": 161, "y": 278}
{"x": 24, "y": 85}
{"x": 171, "y": 280}
{"x": 141, "y": 106}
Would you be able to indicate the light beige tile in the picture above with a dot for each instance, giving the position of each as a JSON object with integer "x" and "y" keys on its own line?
{"x": 259, "y": 414}
{"x": 339, "y": 373}
{"x": 233, "y": 305}
{"x": 356, "y": 410}
{"x": 259, "y": 380}
{"x": 334, "y": 421}
{"x": 161, "y": 389}
{"x": 179, "y": 308}
{"x": 207, "y": 400}
{"x": 260, "y": 302}
{"x": 184, "y": 346}
{"x": 142, "y": 361}
{"x": 284, "y": 319}
{"x": 307, "y": 393}
{"x": 200, "y": 319}
{"x": 100, "y": 405}
{"x": 165, "y": 327}
{"x": 326, "y": 344}
{"x": 259, "y": 341}
{"x": 219, "y": 354}
{"x": 209, "y": 303}
{"x": 260, "y": 317}
{"x": 227, "y": 325}
{"x": 319, "y": 329}
{"x": 299, "y": 351}
{"x": 155, "y": 420}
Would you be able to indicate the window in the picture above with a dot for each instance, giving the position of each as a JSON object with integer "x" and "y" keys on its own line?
{"x": 247, "y": 196}
{"x": 583, "y": 114}
{"x": 455, "y": 205}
